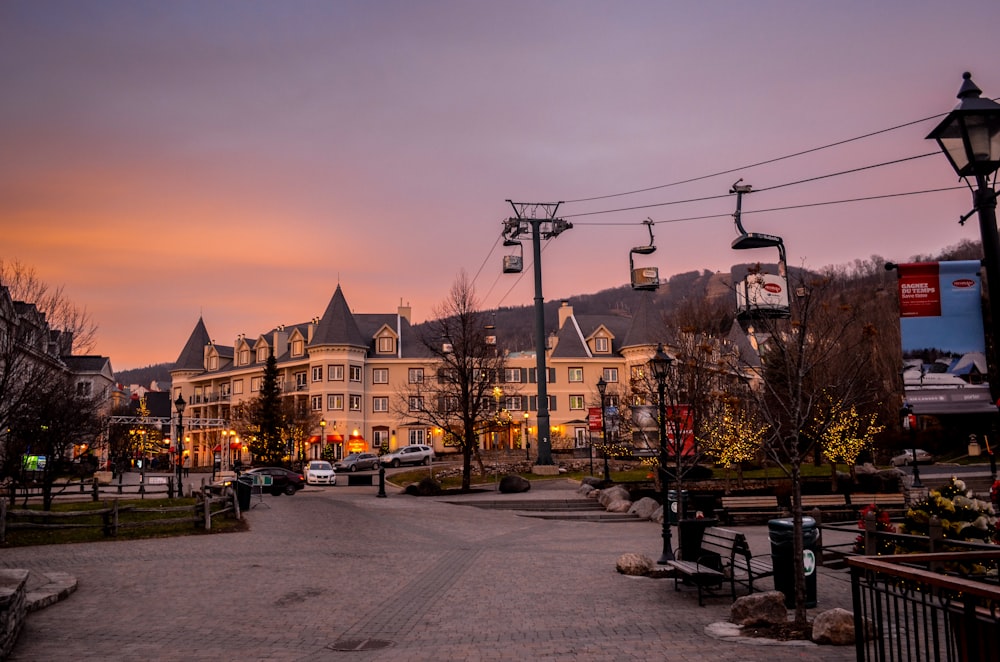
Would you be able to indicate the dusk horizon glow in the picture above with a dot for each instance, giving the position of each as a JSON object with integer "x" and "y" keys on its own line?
{"x": 237, "y": 161}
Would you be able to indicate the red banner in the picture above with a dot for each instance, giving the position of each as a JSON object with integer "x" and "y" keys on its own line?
{"x": 919, "y": 290}
{"x": 594, "y": 419}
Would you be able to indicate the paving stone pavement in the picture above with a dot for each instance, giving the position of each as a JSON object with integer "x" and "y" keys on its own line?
{"x": 334, "y": 573}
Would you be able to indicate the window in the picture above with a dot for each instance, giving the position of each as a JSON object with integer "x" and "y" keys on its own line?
{"x": 380, "y": 437}
{"x": 261, "y": 354}
{"x": 638, "y": 372}
{"x": 335, "y": 401}
{"x": 213, "y": 362}
{"x": 533, "y": 402}
{"x": 298, "y": 347}
{"x": 512, "y": 403}
{"x": 417, "y": 436}
{"x": 580, "y": 434}
{"x": 255, "y": 384}
{"x": 317, "y": 373}
{"x": 601, "y": 345}
{"x": 237, "y": 386}
{"x": 416, "y": 375}
{"x": 380, "y": 404}
{"x": 83, "y": 389}
{"x": 386, "y": 345}
{"x": 380, "y": 376}
{"x": 611, "y": 400}
{"x": 244, "y": 357}
{"x": 533, "y": 375}
{"x": 512, "y": 375}
{"x": 576, "y": 374}
{"x": 355, "y": 373}
{"x": 355, "y": 403}
{"x": 416, "y": 403}
{"x": 300, "y": 381}
{"x": 316, "y": 402}
{"x": 576, "y": 402}
{"x": 335, "y": 373}
{"x": 225, "y": 389}
{"x": 610, "y": 375}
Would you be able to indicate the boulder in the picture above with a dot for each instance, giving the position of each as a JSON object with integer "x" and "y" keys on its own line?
{"x": 644, "y": 508}
{"x": 766, "y": 608}
{"x": 657, "y": 515}
{"x": 634, "y": 564}
{"x": 613, "y": 493}
{"x": 585, "y": 489}
{"x": 836, "y": 627}
{"x": 593, "y": 481}
{"x": 593, "y": 494}
{"x": 619, "y": 506}
{"x": 426, "y": 487}
{"x": 513, "y": 484}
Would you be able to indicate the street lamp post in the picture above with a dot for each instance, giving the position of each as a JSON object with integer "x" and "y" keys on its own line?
{"x": 602, "y": 387}
{"x": 180, "y": 404}
{"x": 659, "y": 365}
{"x": 527, "y": 442}
{"x": 970, "y": 137}
{"x": 910, "y": 423}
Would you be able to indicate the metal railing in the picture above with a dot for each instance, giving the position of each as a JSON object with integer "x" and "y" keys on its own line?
{"x": 913, "y": 613}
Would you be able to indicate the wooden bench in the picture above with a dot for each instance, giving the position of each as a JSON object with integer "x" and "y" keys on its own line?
{"x": 725, "y": 556}
{"x": 749, "y": 508}
{"x": 894, "y": 503}
{"x": 830, "y": 506}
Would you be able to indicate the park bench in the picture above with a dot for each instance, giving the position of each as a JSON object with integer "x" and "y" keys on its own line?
{"x": 748, "y": 508}
{"x": 830, "y": 506}
{"x": 893, "y": 503}
{"x": 725, "y": 556}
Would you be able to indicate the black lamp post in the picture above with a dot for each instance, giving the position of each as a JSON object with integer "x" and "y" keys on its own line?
{"x": 910, "y": 423}
{"x": 970, "y": 137}
{"x": 527, "y": 440}
{"x": 659, "y": 365}
{"x": 602, "y": 387}
{"x": 180, "y": 404}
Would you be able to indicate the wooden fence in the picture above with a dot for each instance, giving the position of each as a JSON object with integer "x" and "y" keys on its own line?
{"x": 199, "y": 514}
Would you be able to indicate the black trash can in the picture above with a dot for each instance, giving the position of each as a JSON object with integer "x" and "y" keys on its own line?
{"x": 781, "y": 533}
{"x": 242, "y": 487}
{"x": 673, "y": 507}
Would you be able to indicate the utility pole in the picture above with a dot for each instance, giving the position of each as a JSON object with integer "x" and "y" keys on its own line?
{"x": 538, "y": 219}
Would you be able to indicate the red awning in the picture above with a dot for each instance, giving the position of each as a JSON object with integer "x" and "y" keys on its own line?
{"x": 218, "y": 448}
{"x": 334, "y": 438}
{"x": 234, "y": 445}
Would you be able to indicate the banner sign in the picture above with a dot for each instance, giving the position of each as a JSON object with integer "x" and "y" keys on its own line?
{"x": 594, "y": 419}
{"x": 941, "y": 327}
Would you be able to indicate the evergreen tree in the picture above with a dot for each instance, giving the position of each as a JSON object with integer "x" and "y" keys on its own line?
{"x": 267, "y": 418}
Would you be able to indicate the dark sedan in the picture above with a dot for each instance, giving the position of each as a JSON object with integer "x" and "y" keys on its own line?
{"x": 283, "y": 481}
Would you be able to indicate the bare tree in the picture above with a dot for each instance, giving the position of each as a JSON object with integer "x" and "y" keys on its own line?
{"x": 822, "y": 353}
{"x": 458, "y": 398}
{"x": 75, "y": 323}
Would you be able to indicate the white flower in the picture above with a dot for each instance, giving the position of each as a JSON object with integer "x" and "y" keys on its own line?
{"x": 959, "y": 485}
{"x": 981, "y": 523}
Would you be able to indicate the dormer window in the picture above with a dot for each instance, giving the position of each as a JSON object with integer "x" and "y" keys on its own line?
{"x": 386, "y": 345}
{"x": 213, "y": 362}
{"x": 244, "y": 357}
{"x": 261, "y": 354}
{"x": 601, "y": 345}
{"x": 298, "y": 347}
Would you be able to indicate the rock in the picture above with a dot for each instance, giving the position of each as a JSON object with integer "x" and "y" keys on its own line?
{"x": 644, "y": 508}
{"x": 836, "y": 627}
{"x": 766, "y": 608}
{"x": 634, "y": 564}
{"x": 585, "y": 489}
{"x": 513, "y": 484}
{"x": 593, "y": 481}
{"x": 426, "y": 487}
{"x": 593, "y": 494}
{"x": 613, "y": 493}
{"x": 657, "y": 515}
{"x": 619, "y": 506}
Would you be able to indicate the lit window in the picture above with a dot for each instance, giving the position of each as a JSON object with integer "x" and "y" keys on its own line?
{"x": 576, "y": 402}
{"x": 380, "y": 376}
{"x": 335, "y": 401}
{"x": 355, "y": 403}
{"x": 576, "y": 374}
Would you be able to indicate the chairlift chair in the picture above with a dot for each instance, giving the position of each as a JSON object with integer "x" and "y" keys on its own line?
{"x": 644, "y": 278}
{"x": 513, "y": 264}
{"x": 759, "y": 295}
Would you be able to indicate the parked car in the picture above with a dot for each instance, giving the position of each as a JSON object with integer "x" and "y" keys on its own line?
{"x": 319, "y": 472}
{"x": 906, "y": 457}
{"x": 283, "y": 481}
{"x": 357, "y": 461}
{"x": 412, "y": 454}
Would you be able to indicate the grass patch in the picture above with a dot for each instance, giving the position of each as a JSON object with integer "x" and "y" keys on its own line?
{"x": 89, "y": 528}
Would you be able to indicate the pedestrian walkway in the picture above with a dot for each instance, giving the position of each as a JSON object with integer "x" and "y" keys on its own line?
{"x": 335, "y": 573}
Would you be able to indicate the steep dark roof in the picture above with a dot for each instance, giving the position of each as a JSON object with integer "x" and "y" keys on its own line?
{"x": 80, "y": 364}
{"x": 193, "y": 355}
{"x": 646, "y": 328}
{"x": 571, "y": 344}
{"x": 338, "y": 326}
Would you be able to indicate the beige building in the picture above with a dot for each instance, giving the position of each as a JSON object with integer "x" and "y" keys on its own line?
{"x": 351, "y": 371}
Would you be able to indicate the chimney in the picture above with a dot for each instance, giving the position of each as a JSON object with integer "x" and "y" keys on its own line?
{"x": 565, "y": 312}
{"x": 404, "y": 312}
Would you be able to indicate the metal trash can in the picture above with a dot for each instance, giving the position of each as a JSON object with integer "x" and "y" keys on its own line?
{"x": 242, "y": 487}
{"x": 781, "y": 534}
{"x": 673, "y": 507}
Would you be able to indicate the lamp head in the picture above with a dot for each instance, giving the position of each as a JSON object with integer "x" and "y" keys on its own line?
{"x": 180, "y": 404}
{"x": 602, "y": 386}
{"x": 660, "y": 363}
{"x": 970, "y": 135}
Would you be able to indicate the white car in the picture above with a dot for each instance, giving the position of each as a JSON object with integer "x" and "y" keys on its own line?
{"x": 319, "y": 472}
{"x": 412, "y": 454}
{"x": 906, "y": 457}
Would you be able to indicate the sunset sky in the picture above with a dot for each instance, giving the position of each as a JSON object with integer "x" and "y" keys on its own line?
{"x": 237, "y": 159}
